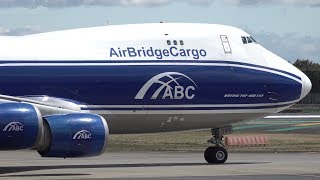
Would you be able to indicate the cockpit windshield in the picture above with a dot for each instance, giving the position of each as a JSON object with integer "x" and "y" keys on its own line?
{"x": 248, "y": 39}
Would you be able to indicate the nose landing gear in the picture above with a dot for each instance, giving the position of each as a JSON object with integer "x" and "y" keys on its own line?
{"x": 217, "y": 153}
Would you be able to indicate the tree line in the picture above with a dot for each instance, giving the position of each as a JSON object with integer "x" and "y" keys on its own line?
{"x": 312, "y": 70}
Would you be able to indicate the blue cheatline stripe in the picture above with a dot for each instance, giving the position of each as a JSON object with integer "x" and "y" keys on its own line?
{"x": 185, "y": 108}
{"x": 147, "y": 61}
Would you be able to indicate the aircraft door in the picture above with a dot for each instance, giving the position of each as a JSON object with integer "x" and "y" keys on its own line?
{"x": 226, "y": 44}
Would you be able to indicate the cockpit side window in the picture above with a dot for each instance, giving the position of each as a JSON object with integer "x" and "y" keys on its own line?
{"x": 249, "y": 40}
{"x": 244, "y": 40}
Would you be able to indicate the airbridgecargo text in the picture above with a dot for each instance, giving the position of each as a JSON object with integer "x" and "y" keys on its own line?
{"x": 157, "y": 53}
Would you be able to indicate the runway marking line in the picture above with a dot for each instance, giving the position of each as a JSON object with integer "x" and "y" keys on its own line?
{"x": 307, "y": 124}
{"x": 317, "y": 176}
{"x": 252, "y": 126}
{"x": 293, "y": 128}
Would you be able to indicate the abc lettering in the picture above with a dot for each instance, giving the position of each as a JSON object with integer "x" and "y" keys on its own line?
{"x": 167, "y": 93}
{"x": 13, "y": 126}
{"x": 16, "y": 128}
{"x": 168, "y": 87}
{"x": 188, "y": 93}
{"x": 86, "y": 136}
{"x": 179, "y": 93}
{"x": 83, "y": 134}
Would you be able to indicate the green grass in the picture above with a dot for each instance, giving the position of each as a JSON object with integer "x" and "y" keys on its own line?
{"x": 194, "y": 141}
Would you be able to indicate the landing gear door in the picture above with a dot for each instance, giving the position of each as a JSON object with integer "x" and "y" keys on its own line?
{"x": 226, "y": 44}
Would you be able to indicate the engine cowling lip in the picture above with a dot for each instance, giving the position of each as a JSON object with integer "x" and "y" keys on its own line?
{"x": 40, "y": 137}
{"x": 106, "y": 127}
{"x": 44, "y": 147}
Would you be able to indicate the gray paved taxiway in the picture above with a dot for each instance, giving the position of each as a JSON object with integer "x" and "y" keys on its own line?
{"x": 161, "y": 165}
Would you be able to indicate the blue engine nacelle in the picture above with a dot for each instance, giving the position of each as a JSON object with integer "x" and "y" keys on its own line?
{"x": 74, "y": 135}
{"x": 20, "y": 126}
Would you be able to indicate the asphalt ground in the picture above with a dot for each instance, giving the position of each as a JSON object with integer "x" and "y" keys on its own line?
{"x": 161, "y": 165}
{"x": 176, "y": 165}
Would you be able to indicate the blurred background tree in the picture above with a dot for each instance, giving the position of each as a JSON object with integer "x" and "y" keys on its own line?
{"x": 312, "y": 70}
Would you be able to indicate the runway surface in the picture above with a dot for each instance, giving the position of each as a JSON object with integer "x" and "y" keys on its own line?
{"x": 161, "y": 165}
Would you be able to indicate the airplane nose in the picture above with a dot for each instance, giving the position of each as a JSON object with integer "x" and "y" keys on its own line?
{"x": 306, "y": 86}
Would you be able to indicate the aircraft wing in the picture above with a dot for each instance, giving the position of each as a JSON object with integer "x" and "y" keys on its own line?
{"x": 46, "y": 105}
{"x": 55, "y": 127}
